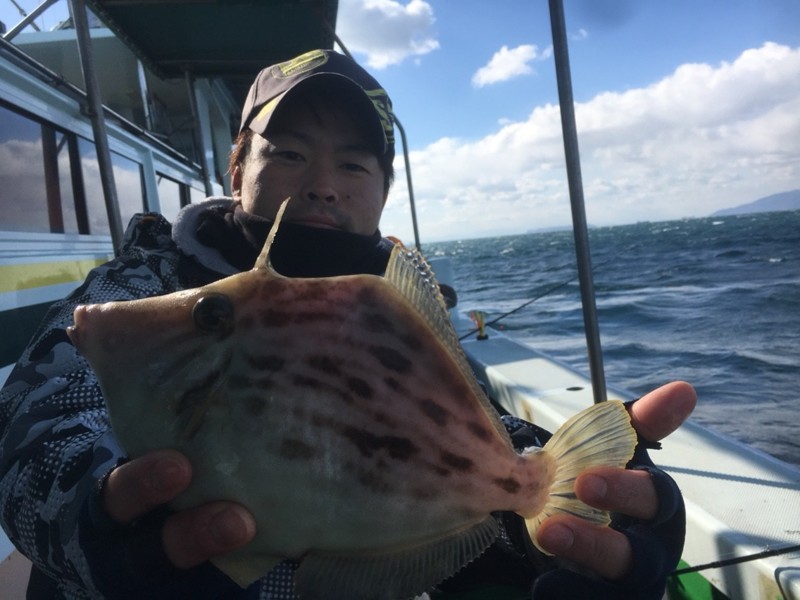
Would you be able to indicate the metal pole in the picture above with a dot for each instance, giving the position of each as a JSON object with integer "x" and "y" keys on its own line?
{"x": 579, "y": 227}
{"x": 197, "y": 132}
{"x": 28, "y": 20}
{"x": 408, "y": 181}
{"x": 98, "y": 121}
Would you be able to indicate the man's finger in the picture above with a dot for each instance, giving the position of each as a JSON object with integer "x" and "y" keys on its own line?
{"x": 137, "y": 487}
{"x": 193, "y": 536}
{"x": 662, "y": 411}
{"x": 600, "y": 549}
{"x": 618, "y": 490}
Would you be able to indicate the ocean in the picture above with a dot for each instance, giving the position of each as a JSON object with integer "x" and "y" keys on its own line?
{"x": 712, "y": 301}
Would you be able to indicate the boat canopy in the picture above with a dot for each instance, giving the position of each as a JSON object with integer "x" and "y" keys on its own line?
{"x": 229, "y": 40}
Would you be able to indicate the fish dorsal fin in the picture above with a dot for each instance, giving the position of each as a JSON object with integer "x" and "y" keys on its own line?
{"x": 401, "y": 573}
{"x": 411, "y": 275}
{"x": 263, "y": 262}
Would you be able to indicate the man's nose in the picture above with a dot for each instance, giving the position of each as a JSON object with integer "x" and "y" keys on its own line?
{"x": 321, "y": 184}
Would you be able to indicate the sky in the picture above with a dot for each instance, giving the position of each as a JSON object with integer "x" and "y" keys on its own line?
{"x": 682, "y": 108}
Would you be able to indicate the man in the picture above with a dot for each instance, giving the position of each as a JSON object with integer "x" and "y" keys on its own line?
{"x": 317, "y": 129}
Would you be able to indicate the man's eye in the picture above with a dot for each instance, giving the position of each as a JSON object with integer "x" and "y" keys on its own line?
{"x": 290, "y": 155}
{"x": 355, "y": 167}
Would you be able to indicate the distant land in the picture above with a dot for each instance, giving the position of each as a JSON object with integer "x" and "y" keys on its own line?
{"x": 783, "y": 201}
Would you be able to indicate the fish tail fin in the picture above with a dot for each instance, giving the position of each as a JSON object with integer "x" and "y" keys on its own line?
{"x": 600, "y": 435}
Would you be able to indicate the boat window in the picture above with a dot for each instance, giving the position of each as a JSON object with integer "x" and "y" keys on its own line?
{"x": 93, "y": 188}
{"x": 128, "y": 182}
{"x": 37, "y": 167}
{"x": 169, "y": 196}
{"x": 196, "y": 195}
{"x": 23, "y": 193}
{"x": 129, "y": 179}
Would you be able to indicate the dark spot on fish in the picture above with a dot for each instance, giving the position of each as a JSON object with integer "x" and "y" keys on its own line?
{"x": 310, "y": 293}
{"x": 392, "y": 359}
{"x": 275, "y": 318}
{"x": 426, "y": 493}
{"x": 459, "y": 463}
{"x": 377, "y": 323}
{"x": 366, "y": 296}
{"x": 460, "y": 393}
{"x": 306, "y": 382}
{"x": 384, "y": 419}
{"x": 434, "y": 411}
{"x": 307, "y": 316}
{"x": 372, "y": 481}
{"x": 413, "y": 342}
{"x": 296, "y": 450}
{"x": 359, "y": 387}
{"x": 266, "y": 362}
{"x": 393, "y": 384}
{"x": 326, "y": 364}
{"x": 441, "y": 471}
{"x": 480, "y": 431}
{"x": 399, "y": 448}
{"x": 320, "y": 421}
{"x": 509, "y": 484}
{"x": 254, "y": 405}
{"x": 243, "y": 382}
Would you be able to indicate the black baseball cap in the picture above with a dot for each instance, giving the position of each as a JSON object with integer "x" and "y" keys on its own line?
{"x": 274, "y": 83}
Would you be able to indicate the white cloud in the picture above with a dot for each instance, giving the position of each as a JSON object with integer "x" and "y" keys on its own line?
{"x": 705, "y": 137}
{"x": 507, "y": 64}
{"x": 387, "y": 32}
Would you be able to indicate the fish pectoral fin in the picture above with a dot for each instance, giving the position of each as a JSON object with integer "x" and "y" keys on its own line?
{"x": 600, "y": 435}
{"x": 392, "y": 574}
{"x": 244, "y": 569}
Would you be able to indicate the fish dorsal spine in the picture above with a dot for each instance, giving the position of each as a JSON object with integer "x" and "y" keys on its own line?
{"x": 263, "y": 261}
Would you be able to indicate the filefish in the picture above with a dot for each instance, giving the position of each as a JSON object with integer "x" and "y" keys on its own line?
{"x": 342, "y": 412}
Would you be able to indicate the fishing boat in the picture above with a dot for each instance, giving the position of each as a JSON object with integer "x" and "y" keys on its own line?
{"x": 116, "y": 112}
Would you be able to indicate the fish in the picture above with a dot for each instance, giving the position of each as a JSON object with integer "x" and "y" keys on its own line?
{"x": 343, "y": 413}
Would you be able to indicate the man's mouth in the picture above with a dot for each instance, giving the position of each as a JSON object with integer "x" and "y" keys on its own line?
{"x": 318, "y": 221}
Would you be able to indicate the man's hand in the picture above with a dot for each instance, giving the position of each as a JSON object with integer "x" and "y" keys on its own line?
{"x": 189, "y": 537}
{"x": 603, "y": 550}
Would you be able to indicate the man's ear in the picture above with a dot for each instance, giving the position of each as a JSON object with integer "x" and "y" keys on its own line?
{"x": 236, "y": 181}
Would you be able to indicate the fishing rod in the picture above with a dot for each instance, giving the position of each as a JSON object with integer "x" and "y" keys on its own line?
{"x": 547, "y": 292}
{"x": 579, "y": 227}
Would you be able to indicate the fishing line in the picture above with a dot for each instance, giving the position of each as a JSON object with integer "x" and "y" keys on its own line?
{"x": 532, "y": 300}
{"x": 734, "y": 561}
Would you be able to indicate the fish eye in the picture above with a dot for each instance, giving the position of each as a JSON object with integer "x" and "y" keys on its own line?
{"x": 213, "y": 314}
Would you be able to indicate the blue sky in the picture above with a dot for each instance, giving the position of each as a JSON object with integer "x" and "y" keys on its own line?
{"x": 683, "y": 107}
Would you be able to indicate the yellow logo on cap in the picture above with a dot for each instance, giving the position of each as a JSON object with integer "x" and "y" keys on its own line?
{"x": 300, "y": 64}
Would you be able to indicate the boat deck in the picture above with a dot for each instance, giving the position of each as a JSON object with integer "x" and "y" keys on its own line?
{"x": 739, "y": 501}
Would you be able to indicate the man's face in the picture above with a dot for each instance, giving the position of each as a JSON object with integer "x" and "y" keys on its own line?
{"x": 322, "y": 161}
